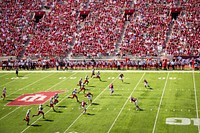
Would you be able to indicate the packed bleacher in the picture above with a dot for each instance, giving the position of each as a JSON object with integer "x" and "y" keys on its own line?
{"x": 62, "y": 31}
{"x": 146, "y": 33}
{"x": 184, "y": 40}
{"x": 101, "y": 29}
{"x": 15, "y": 25}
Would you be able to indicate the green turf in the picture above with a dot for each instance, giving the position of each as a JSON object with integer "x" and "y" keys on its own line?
{"x": 172, "y": 94}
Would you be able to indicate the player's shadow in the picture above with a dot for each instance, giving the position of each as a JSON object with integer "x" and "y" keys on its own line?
{"x": 36, "y": 125}
{"x": 126, "y": 83}
{"x": 103, "y": 81}
{"x": 95, "y": 104}
{"x": 20, "y": 76}
{"x": 48, "y": 120}
{"x": 59, "y": 111}
{"x": 9, "y": 100}
{"x": 90, "y": 114}
{"x": 91, "y": 86}
{"x": 62, "y": 106}
{"x": 116, "y": 95}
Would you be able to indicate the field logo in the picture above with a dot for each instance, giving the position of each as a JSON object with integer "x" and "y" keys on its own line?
{"x": 183, "y": 121}
{"x": 35, "y": 98}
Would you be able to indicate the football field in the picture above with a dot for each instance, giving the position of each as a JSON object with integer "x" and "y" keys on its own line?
{"x": 170, "y": 105}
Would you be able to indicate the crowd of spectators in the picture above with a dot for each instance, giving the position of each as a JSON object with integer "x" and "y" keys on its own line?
{"x": 62, "y": 29}
{"x": 15, "y": 25}
{"x": 101, "y": 29}
{"x": 146, "y": 33}
{"x": 184, "y": 40}
{"x": 177, "y": 63}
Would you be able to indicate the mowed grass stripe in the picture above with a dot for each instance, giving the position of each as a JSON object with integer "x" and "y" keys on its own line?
{"x": 8, "y": 79}
{"x": 29, "y": 85}
{"x": 90, "y": 105}
{"x": 178, "y": 102}
{"x": 161, "y": 98}
{"x": 36, "y": 90}
{"x": 50, "y": 109}
{"x": 125, "y": 103}
{"x": 108, "y": 106}
{"x": 48, "y": 101}
{"x": 196, "y": 99}
{"x": 132, "y": 120}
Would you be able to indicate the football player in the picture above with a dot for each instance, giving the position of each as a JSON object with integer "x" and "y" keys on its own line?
{"x": 51, "y": 104}
{"x": 27, "y": 118}
{"x": 40, "y": 108}
{"x": 4, "y": 93}
{"x": 111, "y": 87}
{"x": 86, "y": 80}
{"x": 55, "y": 98}
{"x": 82, "y": 88}
{"x": 98, "y": 76}
{"x": 135, "y": 101}
{"x": 74, "y": 95}
{"x": 83, "y": 105}
{"x": 89, "y": 96}
{"x": 121, "y": 77}
{"x": 146, "y": 83}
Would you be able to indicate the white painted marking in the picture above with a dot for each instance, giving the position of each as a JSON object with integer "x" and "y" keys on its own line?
{"x": 88, "y": 107}
{"x": 154, "y": 127}
{"x": 9, "y": 113}
{"x": 125, "y": 103}
{"x": 29, "y": 84}
{"x": 196, "y": 103}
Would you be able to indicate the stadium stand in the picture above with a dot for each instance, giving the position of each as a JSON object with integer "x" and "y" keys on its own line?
{"x": 47, "y": 32}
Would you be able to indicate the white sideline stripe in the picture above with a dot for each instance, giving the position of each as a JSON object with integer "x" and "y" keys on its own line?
{"x": 48, "y": 110}
{"x": 195, "y": 92}
{"x": 30, "y": 84}
{"x": 117, "y": 71}
{"x": 125, "y": 104}
{"x": 10, "y": 113}
{"x": 161, "y": 98}
{"x": 88, "y": 106}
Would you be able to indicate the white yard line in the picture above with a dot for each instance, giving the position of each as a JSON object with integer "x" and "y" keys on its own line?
{"x": 10, "y": 81}
{"x": 88, "y": 107}
{"x": 40, "y": 117}
{"x": 29, "y": 85}
{"x": 195, "y": 92}
{"x": 125, "y": 104}
{"x": 154, "y": 127}
{"x": 50, "y": 108}
{"x": 10, "y": 113}
{"x": 46, "y": 90}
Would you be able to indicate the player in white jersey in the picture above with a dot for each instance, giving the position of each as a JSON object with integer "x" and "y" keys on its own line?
{"x": 40, "y": 108}
{"x": 27, "y": 118}
{"x": 89, "y": 96}
{"x": 55, "y": 98}
{"x": 83, "y": 105}
{"x": 4, "y": 93}
{"x": 51, "y": 104}
{"x": 86, "y": 80}
{"x": 74, "y": 95}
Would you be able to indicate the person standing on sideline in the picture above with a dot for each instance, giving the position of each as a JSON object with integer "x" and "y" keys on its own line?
{"x": 17, "y": 71}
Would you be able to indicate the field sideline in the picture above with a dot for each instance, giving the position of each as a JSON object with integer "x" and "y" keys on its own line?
{"x": 171, "y": 105}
